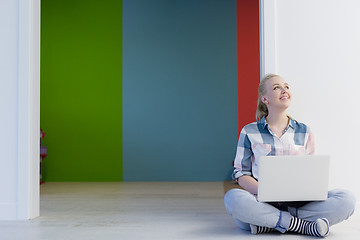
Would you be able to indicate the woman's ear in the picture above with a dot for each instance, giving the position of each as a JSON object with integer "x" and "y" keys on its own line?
{"x": 263, "y": 99}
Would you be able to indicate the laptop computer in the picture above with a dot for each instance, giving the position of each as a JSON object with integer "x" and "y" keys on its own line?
{"x": 293, "y": 178}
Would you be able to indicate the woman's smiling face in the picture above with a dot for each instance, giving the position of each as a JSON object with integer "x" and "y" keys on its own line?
{"x": 277, "y": 93}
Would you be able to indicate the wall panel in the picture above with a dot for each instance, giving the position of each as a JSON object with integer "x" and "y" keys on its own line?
{"x": 81, "y": 101}
{"x": 179, "y": 90}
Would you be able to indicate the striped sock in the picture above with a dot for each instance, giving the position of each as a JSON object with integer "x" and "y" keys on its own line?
{"x": 258, "y": 229}
{"x": 319, "y": 228}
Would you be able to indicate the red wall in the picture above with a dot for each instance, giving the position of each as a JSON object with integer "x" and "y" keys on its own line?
{"x": 248, "y": 59}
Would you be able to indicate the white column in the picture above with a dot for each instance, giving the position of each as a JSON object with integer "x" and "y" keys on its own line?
{"x": 29, "y": 109}
{"x": 267, "y": 37}
{"x": 20, "y": 108}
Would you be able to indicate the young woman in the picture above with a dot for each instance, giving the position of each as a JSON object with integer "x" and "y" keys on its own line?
{"x": 275, "y": 133}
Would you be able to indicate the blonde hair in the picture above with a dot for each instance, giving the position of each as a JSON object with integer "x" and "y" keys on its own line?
{"x": 261, "y": 109}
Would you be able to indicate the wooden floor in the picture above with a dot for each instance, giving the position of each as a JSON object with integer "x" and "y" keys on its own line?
{"x": 141, "y": 211}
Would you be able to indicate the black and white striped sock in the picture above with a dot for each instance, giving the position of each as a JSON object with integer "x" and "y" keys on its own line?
{"x": 258, "y": 229}
{"x": 319, "y": 228}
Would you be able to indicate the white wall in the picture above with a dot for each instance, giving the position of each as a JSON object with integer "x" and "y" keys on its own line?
{"x": 8, "y": 107}
{"x": 20, "y": 108}
{"x": 315, "y": 46}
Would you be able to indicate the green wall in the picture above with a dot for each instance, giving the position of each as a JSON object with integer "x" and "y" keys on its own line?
{"x": 81, "y": 95}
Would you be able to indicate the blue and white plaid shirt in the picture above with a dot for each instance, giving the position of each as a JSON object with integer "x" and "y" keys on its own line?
{"x": 256, "y": 139}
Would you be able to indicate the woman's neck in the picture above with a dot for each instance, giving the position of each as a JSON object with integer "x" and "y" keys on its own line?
{"x": 279, "y": 119}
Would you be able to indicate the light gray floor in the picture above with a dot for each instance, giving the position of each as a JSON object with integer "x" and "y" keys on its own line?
{"x": 141, "y": 211}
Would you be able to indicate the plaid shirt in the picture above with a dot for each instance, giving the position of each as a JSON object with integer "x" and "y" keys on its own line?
{"x": 256, "y": 139}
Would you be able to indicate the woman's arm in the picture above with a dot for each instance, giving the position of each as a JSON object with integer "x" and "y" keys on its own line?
{"x": 310, "y": 144}
{"x": 248, "y": 183}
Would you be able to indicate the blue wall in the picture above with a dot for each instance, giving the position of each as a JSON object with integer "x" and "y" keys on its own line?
{"x": 179, "y": 90}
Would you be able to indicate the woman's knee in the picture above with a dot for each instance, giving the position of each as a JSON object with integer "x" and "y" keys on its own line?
{"x": 235, "y": 199}
{"x": 347, "y": 201}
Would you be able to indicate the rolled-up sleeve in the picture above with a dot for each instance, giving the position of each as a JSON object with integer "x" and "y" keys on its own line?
{"x": 243, "y": 158}
{"x": 310, "y": 144}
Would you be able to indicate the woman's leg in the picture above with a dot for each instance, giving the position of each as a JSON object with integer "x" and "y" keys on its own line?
{"x": 243, "y": 225}
{"x": 338, "y": 207}
{"x": 244, "y": 208}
